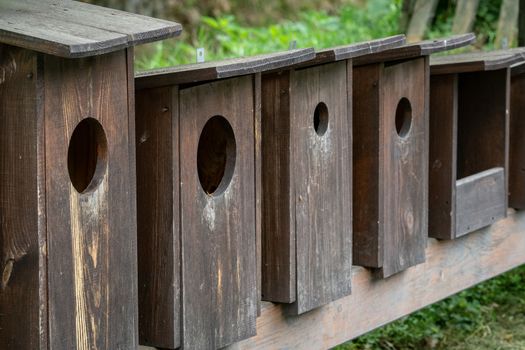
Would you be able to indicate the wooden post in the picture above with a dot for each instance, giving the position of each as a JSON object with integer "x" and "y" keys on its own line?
{"x": 198, "y": 148}
{"x": 469, "y": 148}
{"x": 68, "y": 235}
{"x": 390, "y": 155}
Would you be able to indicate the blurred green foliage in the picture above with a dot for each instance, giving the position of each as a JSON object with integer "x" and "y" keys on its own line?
{"x": 224, "y": 37}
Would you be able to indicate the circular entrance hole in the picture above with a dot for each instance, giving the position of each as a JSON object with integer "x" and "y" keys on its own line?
{"x": 87, "y": 155}
{"x": 321, "y": 118}
{"x": 216, "y": 155}
{"x": 403, "y": 117}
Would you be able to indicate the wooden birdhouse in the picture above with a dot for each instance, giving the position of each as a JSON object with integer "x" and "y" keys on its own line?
{"x": 67, "y": 202}
{"x": 390, "y": 114}
{"x": 469, "y": 123}
{"x": 198, "y": 168}
{"x": 307, "y": 178}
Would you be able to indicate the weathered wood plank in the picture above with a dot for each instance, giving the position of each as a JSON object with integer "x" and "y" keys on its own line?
{"x": 345, "y": 52}
{"x": 414, "y": 50}
{"x": 91, "y": 241}
{"x": 390, "y": 165}
{"x": 219, "y": 278}
{"x": 23, "y": 292}
{"x": 321, "y": 168}
{"x": 193, "y": 73}
{"x": 481, "y": 200}
{"x": 517, "y": 139}
{"x": 75, "y": 29}
{"x": 278, "y": 239}
{"x": 473, "y": 62}
{"x": 450, "y": 267}
{"x": 158, "y": 216}
{"x": 442, "y": 155}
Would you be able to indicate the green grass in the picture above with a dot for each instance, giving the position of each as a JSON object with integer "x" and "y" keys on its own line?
{"x": 488, "y": 316}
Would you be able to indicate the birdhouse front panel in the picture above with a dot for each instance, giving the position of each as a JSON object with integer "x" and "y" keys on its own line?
{"x": 390, "y": 172}
{"x": 217, "y": 161}
{"x": 320, "y": 135}
{"x": 91, "y": 247}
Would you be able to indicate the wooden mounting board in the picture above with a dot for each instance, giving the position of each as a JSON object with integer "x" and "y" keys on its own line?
{"x": 450, "y": 267}
{"x": 74, "y": 29}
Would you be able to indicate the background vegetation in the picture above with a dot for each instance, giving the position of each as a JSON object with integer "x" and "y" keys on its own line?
{"x": 488, "y": 316}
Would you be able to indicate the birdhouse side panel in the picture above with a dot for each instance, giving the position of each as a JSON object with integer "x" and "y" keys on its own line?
{"x": 23, "y": 290}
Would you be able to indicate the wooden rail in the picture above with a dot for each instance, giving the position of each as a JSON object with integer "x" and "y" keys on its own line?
{"x": 450, "y": 267}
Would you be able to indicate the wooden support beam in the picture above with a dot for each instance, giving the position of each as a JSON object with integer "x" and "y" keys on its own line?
{"x": 450, "y": 267}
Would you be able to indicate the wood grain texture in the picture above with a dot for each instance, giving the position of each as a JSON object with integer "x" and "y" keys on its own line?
{"x": 74, "y": 29}
{"x": 450, "y": 267}
{"x": 474, "y": 62}
{"x": 321, "y": 173}
{"x": 390, "y": 170}
{"x": 91, "y": 241}
{"x": 480, "y": 200}
{"x": 278, "y": 214}
{"x": 159, "y": 251}
{"x": 218, "y": 230}
{"x": 443, "y": 155}
{"x": 257, "y": 102}
{"x": 23, "y": 292}
{"x": 469, "y": 136}
{"x": 193, "y": 73}
{"x": 517, "y": 140}
{"x": 414, "y": 50}
{"x": 345, "y": 52}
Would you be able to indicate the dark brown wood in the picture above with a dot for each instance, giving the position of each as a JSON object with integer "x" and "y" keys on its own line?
{"x": 91, "y": 241}
{"x": 306, "y": 246}
{"x": 75, "y": 29}
{"x": 481, "y": 200}
{"x": 199, "y": 72}
{"x": 278, "y": 214}
{"x": 443, "y": 155}
{"x": 469, "y": 151}
{"x": 517, "y": 141}
{"x": 414, "y": 50}
{"x": 158, "y": 216}
{"x": 345, "y": 52}
{"x": 219, "y": 262}
{"x": 390, "y": 171}
{"x": 474, "y": 62}
{"x": 521, "y": 24}
{"x": 23, "y": 292}
{"x": 257, "y": 102}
